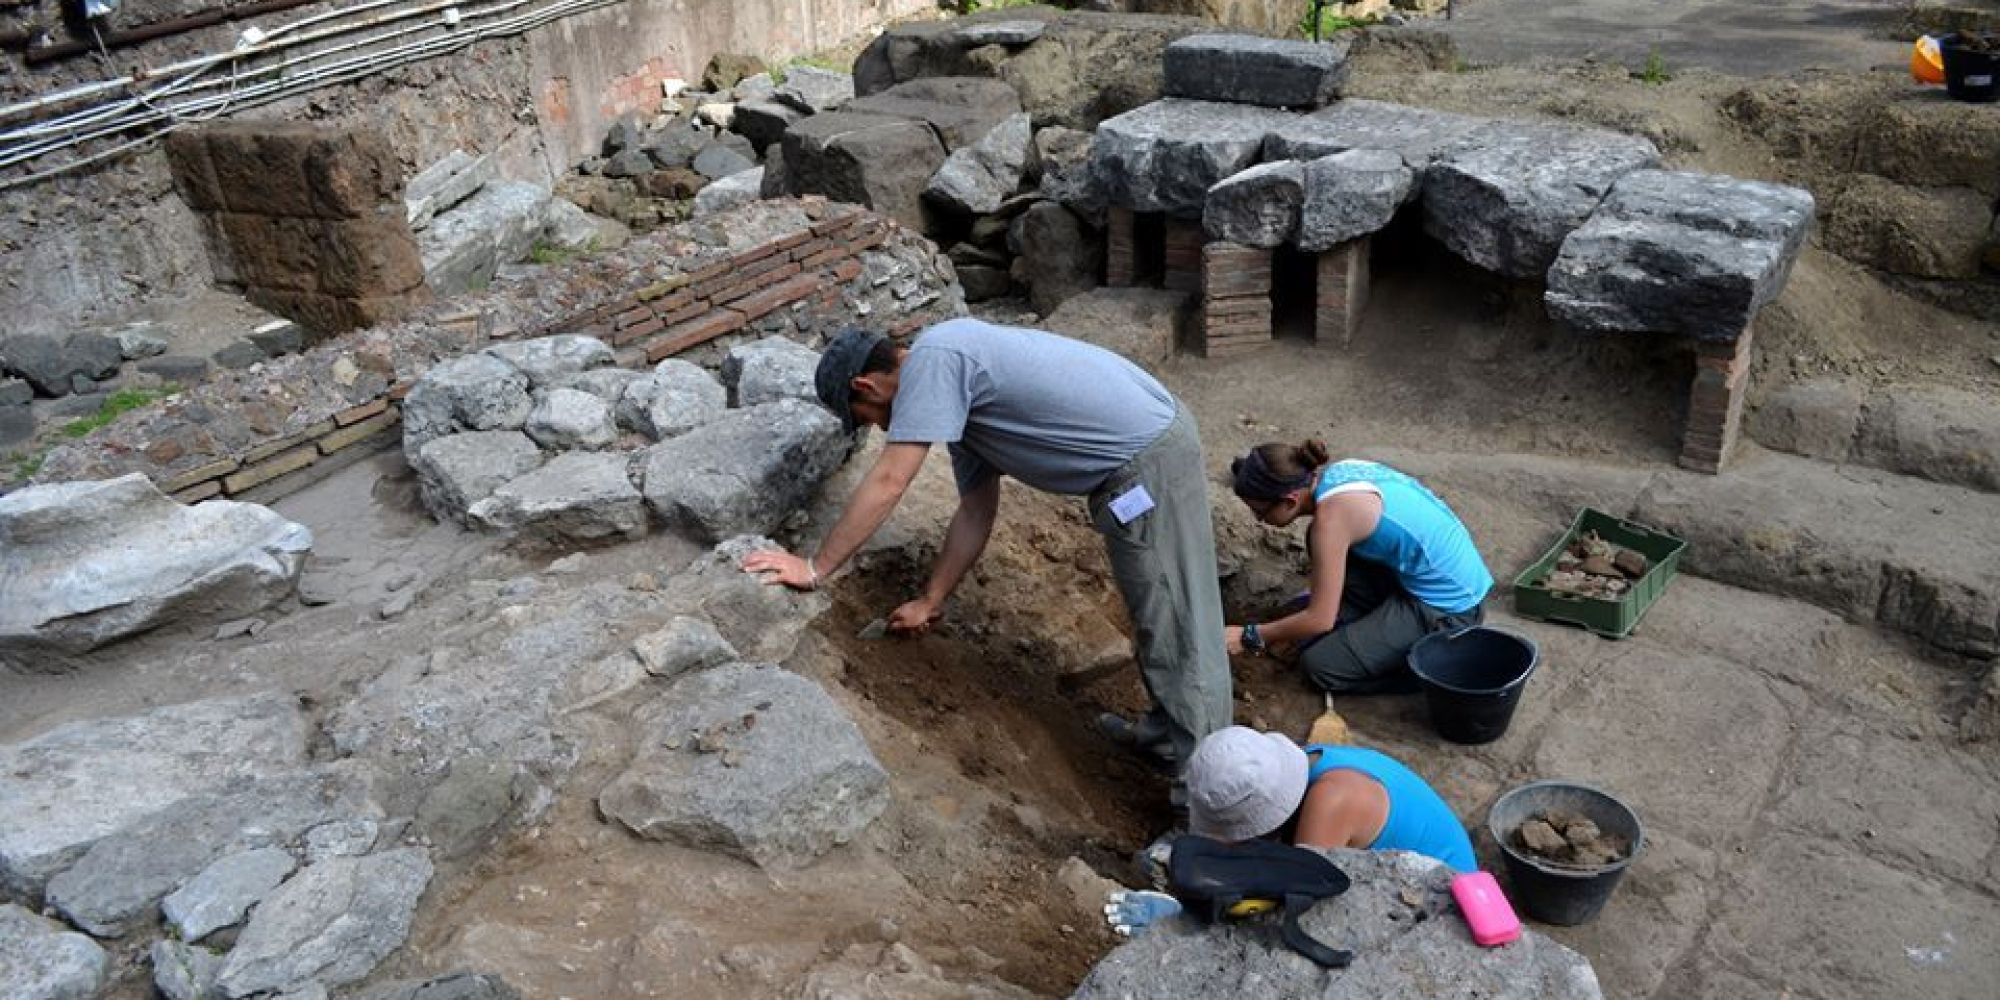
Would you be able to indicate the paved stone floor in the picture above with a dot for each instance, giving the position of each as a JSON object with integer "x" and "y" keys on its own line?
{"x": 1759, "y": 38}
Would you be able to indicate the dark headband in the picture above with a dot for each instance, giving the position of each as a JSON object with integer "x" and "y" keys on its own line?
{"x": 1254, "y": 479}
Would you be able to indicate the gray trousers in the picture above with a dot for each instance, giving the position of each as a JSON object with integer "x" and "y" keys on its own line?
{"x": 1164, "y": 564}
{"x": 1368, "y": 650}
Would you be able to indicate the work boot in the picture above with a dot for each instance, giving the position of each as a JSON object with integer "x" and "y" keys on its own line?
{"x": 1151, "y": 736}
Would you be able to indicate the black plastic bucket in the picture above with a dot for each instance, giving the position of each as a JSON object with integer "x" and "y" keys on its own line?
{"x": 1473, "y": 678}
{"x": 1968, "y": 75}
{"x": 1553, "y": 893}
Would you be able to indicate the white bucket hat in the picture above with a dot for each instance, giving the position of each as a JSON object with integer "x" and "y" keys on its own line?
{"x": 1243, "y": 784}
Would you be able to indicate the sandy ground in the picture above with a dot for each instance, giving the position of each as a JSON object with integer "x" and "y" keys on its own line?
{"x": 1765, "y": 38}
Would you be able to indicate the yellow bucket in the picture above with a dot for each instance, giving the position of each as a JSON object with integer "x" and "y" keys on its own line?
{"x": 1926, "y": 62}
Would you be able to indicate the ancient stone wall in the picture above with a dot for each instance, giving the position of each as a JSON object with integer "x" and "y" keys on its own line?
{"x": 111, "y": 241}
{"x": 803, "y": 269}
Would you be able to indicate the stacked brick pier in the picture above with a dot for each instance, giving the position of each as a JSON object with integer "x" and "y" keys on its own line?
{"x": 1235, "y": 299}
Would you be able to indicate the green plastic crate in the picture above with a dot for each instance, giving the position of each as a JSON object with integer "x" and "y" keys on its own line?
{"x": 1611, "y": 619}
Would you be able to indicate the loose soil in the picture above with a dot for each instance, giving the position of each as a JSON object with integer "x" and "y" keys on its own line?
{"x": 1570, "y": 840}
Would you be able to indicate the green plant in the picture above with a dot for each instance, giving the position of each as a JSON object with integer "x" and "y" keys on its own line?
{"x": 1330, "y": 20}
{"x": 1655, "y": 71}
{"x": 25, "y": 466}
{"x": 121, "y": 402}
{"x": 975, "y": 6}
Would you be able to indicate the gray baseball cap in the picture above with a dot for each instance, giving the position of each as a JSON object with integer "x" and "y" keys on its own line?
{"x": 1242, "y": 784}
{"x": 842, "y": 360}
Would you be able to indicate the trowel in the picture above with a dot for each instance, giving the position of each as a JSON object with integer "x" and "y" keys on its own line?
{"x": 877, "y": 629}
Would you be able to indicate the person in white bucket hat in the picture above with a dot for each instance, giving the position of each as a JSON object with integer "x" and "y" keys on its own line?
{"x": 1243, "y": 784}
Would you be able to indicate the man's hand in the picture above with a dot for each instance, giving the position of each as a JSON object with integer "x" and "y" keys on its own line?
{"x": 914, "y": 617}
{"x": 778, "y": 566}
{"x": 1232, "y": 640}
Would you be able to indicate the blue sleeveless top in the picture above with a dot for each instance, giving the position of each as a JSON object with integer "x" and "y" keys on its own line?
{"x": 1418, "y": 537}
{"x": 1418, "y": 819}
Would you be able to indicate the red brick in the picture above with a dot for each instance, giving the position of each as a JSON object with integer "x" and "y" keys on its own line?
{"x": 661, "y": 288}
{"x": 632, "y": 317}
{"x": 653, "y": 324}
{"x": 199, "y": 491}
{"x": 847, "y": 270}
{"x": 687, "y": 312}
{"x": 682, "y": 336}
{"x": 868, "y": 241}
{"x": 826, "y": 255}
{"x": 837, "y": 223}
{"x": 778, "y": 296}
{"x": 1121, "y": 257}
{"x": 358, "y": 432}
{"x": 356, "y": 414}
{"x": 749, "y": 289}
{"x": 399, "y": 390}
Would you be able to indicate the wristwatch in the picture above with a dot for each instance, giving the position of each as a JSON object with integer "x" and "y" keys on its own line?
{"x": 1251, "y": 640}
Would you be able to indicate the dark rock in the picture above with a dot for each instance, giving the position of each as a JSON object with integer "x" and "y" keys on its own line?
{"x": 1058, "y": 256}
{"x": 716, "y": 161}
{"x": 1009, "y": 33}
{"x": 238, "y": 354}
{"x": 976, "y": 179}
{"x": 1247, "y": 69}
{"x": 285, "y": 337}
{"x": 869, "y": 160}
{"x": 182, "y": 369}
{"x": 678, "y": 183}
{"x": 1258, "y": 207}
{"x": 734, "y": 191}
{"x": 1063, "y": 155}
{"x": 1679, "y": 253}
{"x": 17, "y": 424}
{"x": 15, "y": 392}
{"x": 1418, "y": 135}
{"x": 764, "y": 122}
{"x": 676, "y": 145}
{"x": 628, "y": 163}
{"x": 628, "y": 133}
{"x": 962, "y": 109}
{"x": 984, "y": 281}
{"x": 50, "y": 365}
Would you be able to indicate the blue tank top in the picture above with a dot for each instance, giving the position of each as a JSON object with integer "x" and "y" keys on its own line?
{"x": 1418, "y": 537}
{"x": 1419, "y": 820}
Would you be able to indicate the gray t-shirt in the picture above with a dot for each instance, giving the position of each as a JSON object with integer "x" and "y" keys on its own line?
{"x": 1055, "y": 413}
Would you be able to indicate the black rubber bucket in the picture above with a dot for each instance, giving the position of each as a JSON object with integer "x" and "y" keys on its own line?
{"x": 1554, "y": 893}
{"x": 1968, "y": 75}
{"x": 1473, "y": 678}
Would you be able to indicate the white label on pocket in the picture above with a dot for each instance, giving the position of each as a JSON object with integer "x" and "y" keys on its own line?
{"x": 1979, "y": 81}
{"x": 1132, "y": 503}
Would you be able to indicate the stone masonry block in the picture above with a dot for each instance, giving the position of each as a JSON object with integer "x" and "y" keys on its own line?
{"x": 1247, "y": 69}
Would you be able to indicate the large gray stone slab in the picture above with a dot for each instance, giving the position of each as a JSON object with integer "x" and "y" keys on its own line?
{"x": 184, "y": 971}
{"x": 962, "y": 109}
{"x": 464, "y": 247}
{"x": 1399, "y": 921}
{"x": 1258, "y": 207}
{"x": 117, "y": 883}
{"x": 223, "y": 892}
{"x": 459, "y": 470}
{"x": 475, "y": 392}
{"x": 544, "y": 360}
{"x": 73, "y": 786}
{"x": 977, "y": 179}
{"x": 764, "y": 122}
{"x": 1165, "y": 156}
{"x": 608, "y": 384}
{"x": 1350, "y": 195}
{"x": 444, "y": 184}
{"x": 676, "y": 144}
{"x": 745, "y": 471}
{"x": 1505, "y": 196}
{"x": 814, "y": 90}
{"x": 86, "y": 563}
{"x": 332, "y": 923}
{"x": 762, "y": 622}
{"x": 717, "y": 161}
{"x": 571, "y": 418}
{"x": 718, "y": 769}
{"x": 676, "y": 397}
{"x": 42, "y": 960}
{"x": 579, "y": 496}
{"x": 1250, "y": 69}
{"x": 870, "y": 160}
{"x": 771, "y": 369}
{"x": 1679, "y": 253}
{"x": 1418, "y": 135}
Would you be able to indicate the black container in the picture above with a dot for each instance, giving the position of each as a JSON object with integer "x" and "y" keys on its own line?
{"x": 1968, "y": 75}
{"x": 1473, "y": 678}
{"x": 1553, "y": 893}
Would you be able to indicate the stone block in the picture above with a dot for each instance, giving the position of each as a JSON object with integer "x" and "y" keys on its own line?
{"x": 463, "y": 248}
{"x": 1418, "y": 135}
{"x": 75, "y": 785}
{"x": 814, "y": 90}
{"x": 42, "y": 960}
{"x": 544, "y": 360}
{"x": 687, "y": 644}
{"x": 94, "y": 561}
{"x": 351, "y": 173}
{"x": 458, "y": 470}
{"x": 1819, "y": 418}
{"x": 1248, "y": 69}
{"x": 577, "y": 497}
{"x": 1258, "y": 207}
{"x": 444, "y": 184}
{"x": 675, "y": 397}
{"x": 869, "y": 160}
{"x": 221, "y": 894}
{"x": 1057, "y": 256}
{"x": 331, "y": 924}
{"x": 570, "y": 418}
{"x": 978, "y": 178}
{"x": 1679, "y": 253}
{"x": 764, "y": 122}
{"x": 716, "y": 161}
{"x": 733, "y": 191}
{"x": 720, "y": 769}
{"x": 52, "y": 364}
{"x": 1352, "y": 195}
{"x": 1164, "y": 157}
{"x": 477, "y": 392}
{"x": 745, "y": 471}
{"x": 1064, "y": 158}
{"x": 767, "y": 370}
{"x": 1506, "y": 196}
{"x": 963, "y": 109}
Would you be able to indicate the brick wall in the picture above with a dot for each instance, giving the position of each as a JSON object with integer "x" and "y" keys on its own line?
{"x": 803, "y": 268}
{"x": 307, "y": 221}
{"x": 1235, "y": 298}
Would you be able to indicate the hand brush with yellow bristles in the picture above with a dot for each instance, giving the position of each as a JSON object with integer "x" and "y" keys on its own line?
{"x": 1329, "y": 727}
